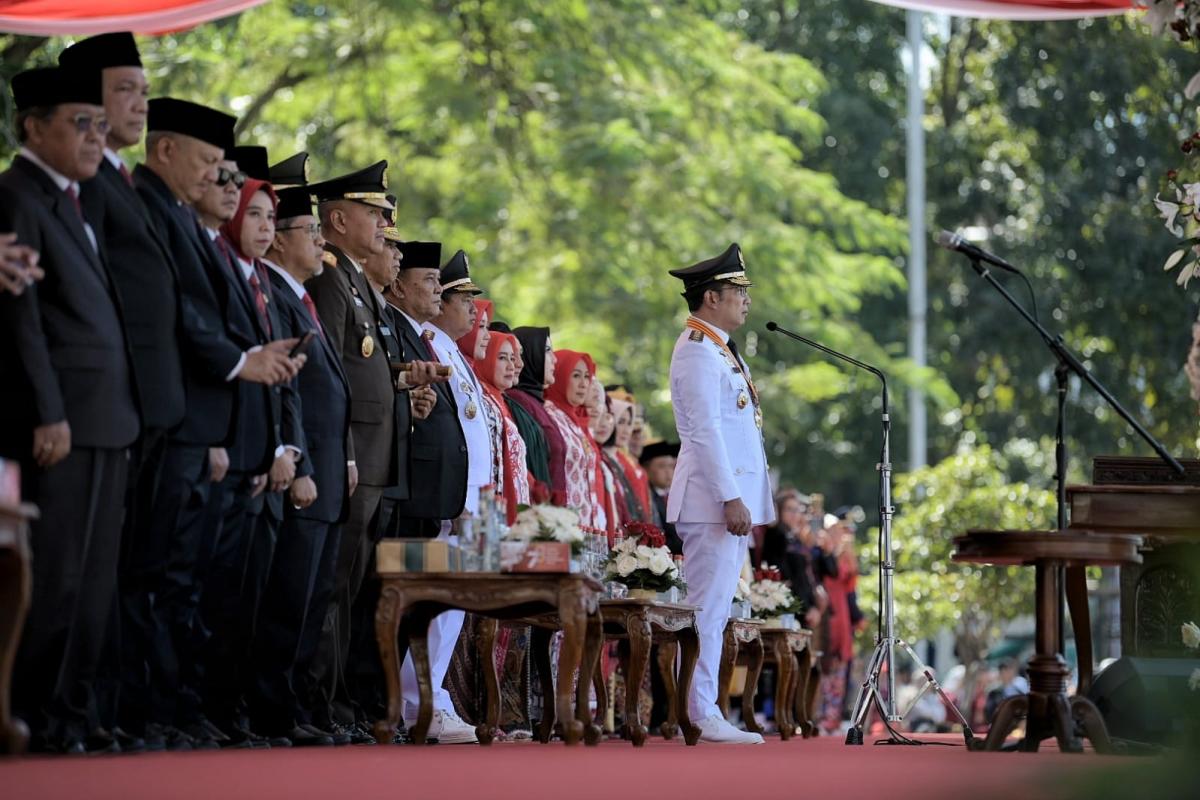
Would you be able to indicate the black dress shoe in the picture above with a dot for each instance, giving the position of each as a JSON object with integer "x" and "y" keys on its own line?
{"x": 301, "y": 736}
{"x": 339, "y": 733}
{"x": 128, "y": 742}
{"x": 51, "y": 745}
{"x": 240, "y": 738}
{"x": 204, "y": 735}
{"x": 360, "y": 733}
{"x": 165, "y": 737}
{"x": 100, "y": 742}
{"x": 336, "y": 739}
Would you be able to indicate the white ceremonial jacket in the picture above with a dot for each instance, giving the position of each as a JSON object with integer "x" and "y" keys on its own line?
{"x": 721, "y": 454}
{"x": 469, "y": 396}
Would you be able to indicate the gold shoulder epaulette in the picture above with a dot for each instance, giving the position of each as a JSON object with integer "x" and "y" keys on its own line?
{"x": 696, "y": 336}
{"x": 329, "y": 258}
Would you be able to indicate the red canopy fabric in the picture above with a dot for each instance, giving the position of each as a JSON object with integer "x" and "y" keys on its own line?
{"x": 1020, "y": 9}
{"x": 75, "y": 17}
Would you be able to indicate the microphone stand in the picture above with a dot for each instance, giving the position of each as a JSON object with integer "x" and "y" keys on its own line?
{"x": 886, "y": 642}
{"x": 1068, "y": 363}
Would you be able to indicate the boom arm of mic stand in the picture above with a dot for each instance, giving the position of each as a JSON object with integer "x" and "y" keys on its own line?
{"x": 771, "y": 326}
{"x": 1068, "y": 359}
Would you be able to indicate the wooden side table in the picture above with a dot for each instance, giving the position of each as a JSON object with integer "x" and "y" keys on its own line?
{"x": 15, "y": 586}
{"x": 1048, "y": 710}
{"x": 739, "y": 632}
{"x": 420, "y": 596}
{"x": 790, "y": 652}
{"x": 644, "y": 623}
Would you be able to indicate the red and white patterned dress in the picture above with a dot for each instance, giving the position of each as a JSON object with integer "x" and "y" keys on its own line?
{"x": 580, "y": 468}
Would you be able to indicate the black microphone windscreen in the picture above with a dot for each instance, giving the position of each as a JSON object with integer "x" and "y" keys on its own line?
{"x": 771, "y": 326}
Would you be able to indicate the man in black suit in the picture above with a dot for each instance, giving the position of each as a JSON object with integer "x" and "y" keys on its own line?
{"x": 184, "y": 147}
{"x": 301, "y": 579}
{"x": 69, "y": 404}
{"x": 144, "y": 275}
{"x": 658, "y": 459}
{"x": 438, "y": 482}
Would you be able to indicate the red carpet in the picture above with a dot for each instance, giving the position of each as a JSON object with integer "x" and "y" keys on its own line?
{"x": 818, "y": 769}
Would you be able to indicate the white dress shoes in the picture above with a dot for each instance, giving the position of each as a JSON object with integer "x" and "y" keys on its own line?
{"x": 717, "y": 730}
{"x": 448, "y": 728}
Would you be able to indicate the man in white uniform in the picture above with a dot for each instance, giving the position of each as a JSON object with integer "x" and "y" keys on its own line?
{"x": 721, "y": 488}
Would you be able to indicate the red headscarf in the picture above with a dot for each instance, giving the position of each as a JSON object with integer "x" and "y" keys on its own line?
{"x": 564, "y": 365}
{"x": 485, "y": 368}
{"x": 233, "y": 229}
{"x": 467, "y": 342}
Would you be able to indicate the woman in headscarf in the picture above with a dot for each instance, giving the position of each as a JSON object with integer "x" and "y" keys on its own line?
{"x": 545, "y": 451}
{"x": 628, "y": 506}
{"x": 634, "y": 474}
{"x": 609, "y": 493}
{"x": 565, "y": 402}
{"x": 474, "y": 344}
{"x": 497, "y": 372}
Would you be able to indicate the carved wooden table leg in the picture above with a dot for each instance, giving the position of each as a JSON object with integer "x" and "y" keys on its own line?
{"x": 785, "y": 661}
{"x": 812, "y": 692}
{"x": 639, "y": 659}
{"x": 418, "y": 645}
{"x": 1089, "y": 718}
{"x": 539, "y": 645}
{"x": 689, "y": 643}
{"x": 1007, "y": 716}
{"x": 574, "y": 620}
{"x": 14, "y": 605}
{"x": 590, "y": 667}
{"x": 729, "y": 654}
{"x": 800, "y": 694}
{"x": 387, "y": 629}
{"x": 486, "y": 643}
{"x": 753, "y": 671}
{"x": 666, "y": 668}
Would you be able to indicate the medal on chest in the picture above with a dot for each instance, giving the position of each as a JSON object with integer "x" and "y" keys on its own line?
{"x": 368, "y": 342}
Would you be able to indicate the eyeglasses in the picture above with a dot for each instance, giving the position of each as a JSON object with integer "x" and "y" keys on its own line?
{"x": 740, "y": 291}
{"x": 86, "y": 122}
{"x": 224, "y": 176}
{"x": 313, "y": 228}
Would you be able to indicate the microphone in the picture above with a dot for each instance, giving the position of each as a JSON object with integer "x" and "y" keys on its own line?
{"x": 954, "y": 241}
{"x": 774, "y": 328}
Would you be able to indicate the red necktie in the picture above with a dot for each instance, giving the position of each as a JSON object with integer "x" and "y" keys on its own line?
{"x": 312, "y": 312}
{"x": 260, "y": 301}
{"x": 74, "y": 195}
{"x": 427, "y": 338}
{"x": 124, "y": 170}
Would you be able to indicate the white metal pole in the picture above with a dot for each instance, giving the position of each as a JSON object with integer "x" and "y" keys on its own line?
{"x": 917, "y": 431}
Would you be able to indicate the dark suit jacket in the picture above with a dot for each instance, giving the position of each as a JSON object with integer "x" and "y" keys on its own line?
{"x": 438, "y": 480}
{"x": 345, "y": 304}
{"x": 403, "y": 408}
{"x": 208, "y": 351}
{"x": 65, "y": 356}
{"x": 324, "y": 406}
{"x": 259, "y": 410}
{"x": 144, "y": 275}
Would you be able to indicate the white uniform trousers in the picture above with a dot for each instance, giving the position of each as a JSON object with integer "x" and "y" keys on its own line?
{"x": 443, "y": 636}
{"x": 712, "y": 561}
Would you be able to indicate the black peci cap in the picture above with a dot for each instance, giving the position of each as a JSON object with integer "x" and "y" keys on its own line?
{"x": 421, "y": 255}
{"x": 294, "y": 201}
{"x": 101, "y": 52}
{"x": 52, "y": 86}
{"x": 168, "y": 115}
{"x": 456, "y": 276}
{"x": 729, "y": 266}
{"x": 252, "y": 160}
{"x": 292, "y": 171}
{"x": 368, "y": 186}
{"x": 657, "y": 450}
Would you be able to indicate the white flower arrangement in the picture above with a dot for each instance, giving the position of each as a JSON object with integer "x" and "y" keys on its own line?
{"x": 771, "y": 597}
{"x": 742, "y": 593}
{"x": 638, "y": 565}
{"x": 547, "y": 523}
